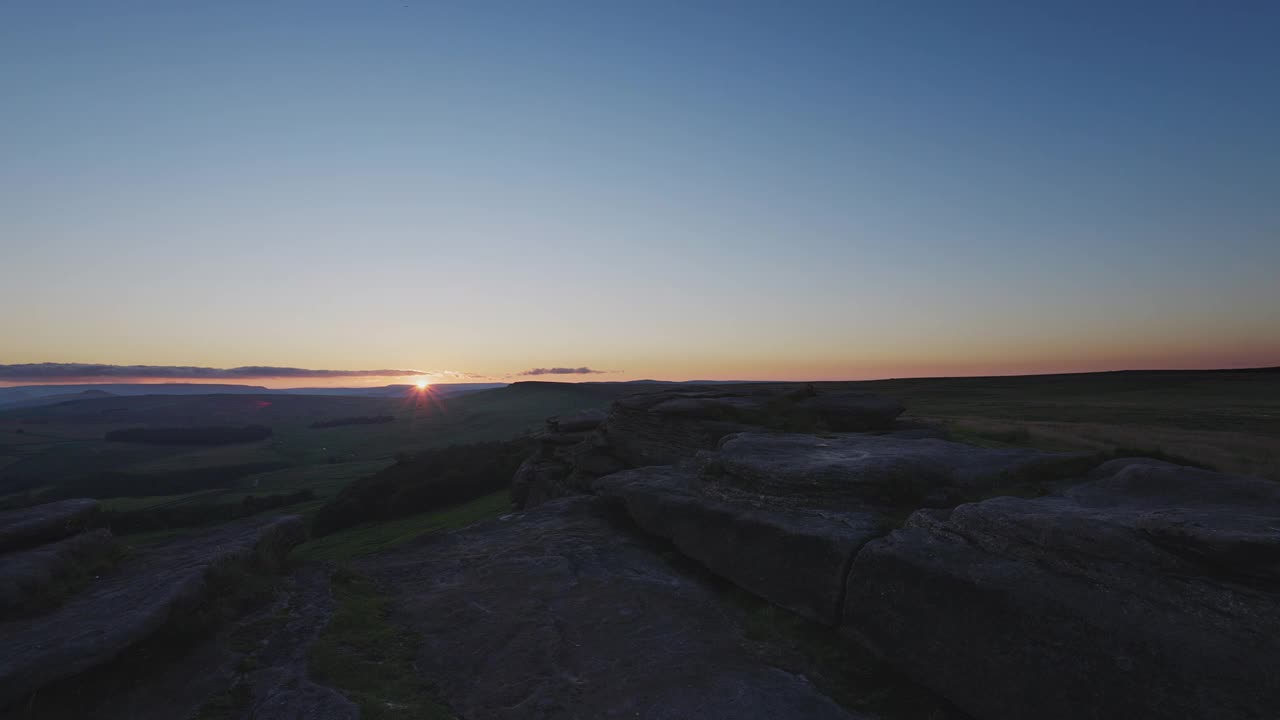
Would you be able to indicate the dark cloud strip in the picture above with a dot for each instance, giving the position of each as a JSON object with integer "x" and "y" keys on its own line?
{"x": 80, "y": 371}
{"x": 564, "y": 371}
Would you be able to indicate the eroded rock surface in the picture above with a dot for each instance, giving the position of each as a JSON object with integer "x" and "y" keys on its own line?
{"x": 1150, "y": 591}
{"x": 665, "y": 427}
{"x": 29, "y": 578}
{"x": 559, "y": 613}
{"x": 855, "y": 468}
{"x": 127, "y": 606}
{"x": 794, "y": 556}
{"x": 40, "y": 524}
{"x": 782, "y": 515}
{"x": 281, "y": 688}
{"x": 669, "y": 426}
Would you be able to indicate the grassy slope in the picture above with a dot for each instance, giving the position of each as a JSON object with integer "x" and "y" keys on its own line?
{"x": 1222, "y": 419}
{"x": 375, "y": 537}
{"x": 363, "y": 652}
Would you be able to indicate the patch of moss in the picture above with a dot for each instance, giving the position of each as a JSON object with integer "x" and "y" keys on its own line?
{"x": 370, "y": 659}
{"x": 378, "y": 536}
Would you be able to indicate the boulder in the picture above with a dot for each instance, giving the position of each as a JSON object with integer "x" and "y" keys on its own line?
{"x": 126, "y": 607}
{"x": 46, "y": 523}
{"x": 560, "y": 613}
{"x": 578, "y": 422}
{"x": 888, "y": 469}
{"x": 664, "y": 428}
{"x": 843, "y": 410}
{"x": 40, "y": 575}
{"x": 782, "y": 515}
{"x": 1148, "y": 591}
{"x": 668, "y": 426}
{"x": 792, "y": 556}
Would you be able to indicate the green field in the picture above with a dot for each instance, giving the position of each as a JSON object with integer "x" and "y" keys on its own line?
{"x": 44, "y": 447}
{"x": 1228, "y": 420}
{"x": 374, "y": 537}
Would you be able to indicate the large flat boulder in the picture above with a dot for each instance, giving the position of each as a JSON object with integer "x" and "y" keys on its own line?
{"x": 129, "y": 605}
{"x": 890, "y": 469}
{"x": 40, "y": 524}
{"x": 664, "y": 427}
{"x": 560, "y": 613}
{"x": 1150, "y": 591}
{"x": 782, "y": 514}
{"x": 794, "y": 556}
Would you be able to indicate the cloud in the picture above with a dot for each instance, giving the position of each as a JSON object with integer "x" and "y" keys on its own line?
{"x": 565, "y": 371}
{"x": 455, "y": 374}
{"x": 85, "y": 371}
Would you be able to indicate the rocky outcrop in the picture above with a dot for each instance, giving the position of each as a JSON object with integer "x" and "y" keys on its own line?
{"x": 665, "y": 427}
{"x": 32, "y": 579}
{"x": 1022, "y": 584}
{"x": 570, "y": 452}
{"x": 1150, "y": 591}
{"x": 854, "y": 469}
{"x": 668, "y": 426}
{"x": 32, "y": 526}
{"x": 123, "y": 608}
{"x": 796, "y": 557}
{"x": 782, "y": 515}
{"x": 560, "y": 613}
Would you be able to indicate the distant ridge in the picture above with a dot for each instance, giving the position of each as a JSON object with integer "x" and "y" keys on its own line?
{"x": 35, "y": 395}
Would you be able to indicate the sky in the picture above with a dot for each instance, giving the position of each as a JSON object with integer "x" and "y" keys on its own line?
{"x": 674, "y": 190}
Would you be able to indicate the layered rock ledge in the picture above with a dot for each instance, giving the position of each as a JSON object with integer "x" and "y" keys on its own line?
{"x": 1012, "y": 582}
{"x": 782, "y": 515}
{"x": 128, "y": 605}
{"x": 1152, "y": 590}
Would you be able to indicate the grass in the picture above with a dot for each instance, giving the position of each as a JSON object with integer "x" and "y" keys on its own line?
{"x": 1227, "y": 451}
{"x": 362, "y": 652}
{"x": 369, "y": 658}
{"x": 377, "y": 536}
{"x": 61, "y": 443}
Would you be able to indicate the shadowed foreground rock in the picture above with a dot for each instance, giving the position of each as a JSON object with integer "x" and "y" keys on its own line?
{"x": 130, "y": 604}
{"x": 42, "y": 574}
{"x": 782, "y": 515}
{"x": 46, "y": 523}
{"x": 1152, "y": 591}
{"x": 558, "y": 613}
{"x": 280, "y": 687}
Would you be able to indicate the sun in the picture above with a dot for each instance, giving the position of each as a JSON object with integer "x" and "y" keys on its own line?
{"x": 423, "y": 384}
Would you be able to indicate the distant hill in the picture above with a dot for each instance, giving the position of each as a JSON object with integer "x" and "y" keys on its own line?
{"x": 51, "y": 399}
{"x": 36, "y": 395}
{"x": 393, "y": 390}
{"x": 30, "y": 395}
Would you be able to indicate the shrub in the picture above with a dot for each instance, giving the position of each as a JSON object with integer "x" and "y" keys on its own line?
{"x": 190, "y": 435}
{"x": 431, "y": 480}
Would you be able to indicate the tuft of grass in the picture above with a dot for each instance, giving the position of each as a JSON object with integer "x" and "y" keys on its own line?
{"x": 370, "y": 659}
{"x": 375, "y": 537}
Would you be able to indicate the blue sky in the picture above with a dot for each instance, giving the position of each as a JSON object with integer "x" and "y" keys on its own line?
{"x": 804, "y": 190}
